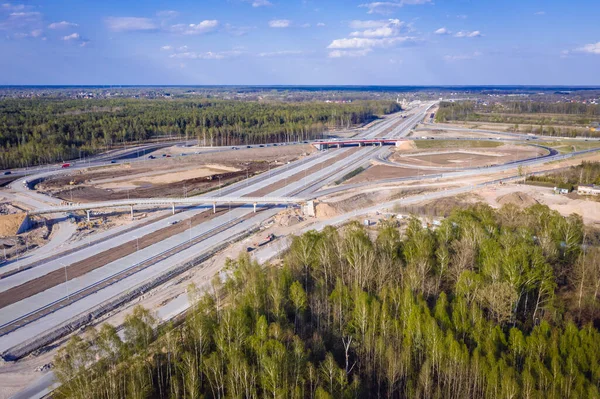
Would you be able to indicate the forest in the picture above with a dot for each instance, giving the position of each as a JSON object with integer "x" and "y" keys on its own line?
{"x": 548, "y": 118}
{"x": 490, "y": 304}
{"x": 39, "y": 131}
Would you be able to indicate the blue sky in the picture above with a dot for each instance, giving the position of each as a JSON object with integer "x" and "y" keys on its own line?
{"x": 301, "y": 42}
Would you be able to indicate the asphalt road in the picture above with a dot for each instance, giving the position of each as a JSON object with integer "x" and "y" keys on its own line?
{"x": 309, "y": 184}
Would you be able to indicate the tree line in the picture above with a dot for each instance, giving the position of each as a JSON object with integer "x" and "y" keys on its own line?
{"x": 584, "y": 173}
{"x": 491, "y": 304}
{"x": 525, "y": 113}
{"x": 38, "y": 131}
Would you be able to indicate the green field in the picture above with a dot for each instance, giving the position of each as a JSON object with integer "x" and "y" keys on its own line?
{"x": 425, "y": 144}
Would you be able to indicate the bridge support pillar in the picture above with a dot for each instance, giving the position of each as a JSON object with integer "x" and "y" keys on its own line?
{"x": 214, "y": 207}
{"x": 88, "y": 215}
{"x": 381, "y": 143}
{"x": 173, "y": 208}
{"x": 339, "y": 146}
{"x": 255, "y": 207}
{"x": 131, "y": 208}
{"x": 360, "y": 144}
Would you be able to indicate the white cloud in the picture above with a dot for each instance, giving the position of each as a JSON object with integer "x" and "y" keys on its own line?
{"x": 362, "y": 42}
{"x": 381, "y": 7}
{"x": 442, "y": 31}
{"x": 167, "y": 14}
{"x": 462, "y": 16}
{"x": 593, "y": 48}
{"x": 540, "y": 13}
{"x": 462, "y": 57}
{"x": 321, "y": 24}
{"x": 261, "y": 3}
{"x": 130, "y": 24}
{"x": 388, "y": 7}
{"x": 72, "y": 36}
{"x": 33, "y": 34}
{"x": 166, "y": 48}
{"x": 12, "y": 7}
{"x": 205, "y": 26}
{"x": 182, "y": 48}
{"x": 238, "y": 30}
{"x": 280, "y": 53}
{"x": 356, "y": 24}
{"x": 206, "y": 56}
{"x": 62, "y": 25}
{"x": 474, "y": 33}
{"x": 349, "y": 53}
{"x": 307, "y": 25}
{"x": 280, "y": 23}
{"x": 389, "y": 29}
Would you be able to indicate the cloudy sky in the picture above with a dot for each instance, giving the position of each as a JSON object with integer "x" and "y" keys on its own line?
{"x": 300, "y": 42}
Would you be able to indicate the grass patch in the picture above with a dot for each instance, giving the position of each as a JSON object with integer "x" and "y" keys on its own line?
{"x": 423, "y": 144}
{"x": 350, "y": 175}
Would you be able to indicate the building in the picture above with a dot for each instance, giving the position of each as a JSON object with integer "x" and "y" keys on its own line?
{"x": 558, "y": 190}
{"x": 588, "y": 189}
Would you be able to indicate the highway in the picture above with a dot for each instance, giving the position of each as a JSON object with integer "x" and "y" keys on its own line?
{"x": 16, "y": 312}
{"x": 31, "y": 319}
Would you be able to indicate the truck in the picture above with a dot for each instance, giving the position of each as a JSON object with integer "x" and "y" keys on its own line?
{"x": 66, "y": 165}
{"x": 269, "y": 238}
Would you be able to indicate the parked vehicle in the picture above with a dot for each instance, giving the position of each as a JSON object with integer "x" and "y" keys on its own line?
{"x": 66, "y": 165}
{"x": 8, "y": 172}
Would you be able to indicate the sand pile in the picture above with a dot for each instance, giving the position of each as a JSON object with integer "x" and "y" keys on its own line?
{"x": 325, "y": 211}
{"x": 405, "y": 146}
{"x": 518, "y": 198}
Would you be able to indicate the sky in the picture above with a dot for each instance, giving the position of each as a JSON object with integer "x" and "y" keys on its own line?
{"x": 300, "y": 42}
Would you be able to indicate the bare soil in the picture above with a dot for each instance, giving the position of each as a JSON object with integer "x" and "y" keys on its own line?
{"x": 187, "y": 175}
{"x": 382, "y": 172}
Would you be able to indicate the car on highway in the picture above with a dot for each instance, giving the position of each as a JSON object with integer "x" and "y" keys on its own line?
{"x": 173, "y": 222}
{"x": 248, "y": 146}
{"x": 151, "y": 157}
{"x": 113, "y": 161}
{"x": 66, "y": 165}
{"x": 261, "y": 145}
{"x": 168, "y": 156}
{"x": 7, "y": 172}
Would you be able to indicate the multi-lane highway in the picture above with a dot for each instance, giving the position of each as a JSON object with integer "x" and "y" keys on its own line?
{"x": 26, "y": 321}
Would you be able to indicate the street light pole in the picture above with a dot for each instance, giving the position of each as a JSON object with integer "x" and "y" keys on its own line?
{"x": 66, "y": 281}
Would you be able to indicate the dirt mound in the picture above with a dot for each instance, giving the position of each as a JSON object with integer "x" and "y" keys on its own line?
{"x": 10, "y": 224}
{"x": 326, "y": 211}
{"x": 518, "y": 198}
{"x": 288, "y": 219}
{"x": 405, "y": 146}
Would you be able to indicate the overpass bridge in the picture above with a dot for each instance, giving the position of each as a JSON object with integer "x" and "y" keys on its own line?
{"x": 191, "y": 201}
{"x": 322, "y": 145}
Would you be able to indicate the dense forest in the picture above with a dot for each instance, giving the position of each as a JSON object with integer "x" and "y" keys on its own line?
{"x": 37, "y": 131}
{"x": 491, "y": 304}
{"x": 584, "y": 173}
{"x": 548, "y": 118}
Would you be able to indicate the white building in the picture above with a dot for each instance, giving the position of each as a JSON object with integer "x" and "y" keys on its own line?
{"x": 588, "y": 189}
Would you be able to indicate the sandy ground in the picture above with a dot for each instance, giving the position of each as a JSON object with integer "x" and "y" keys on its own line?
{"x": 170, "y": 177}
{"x": 524, "y": 195}
{"x": 471, "y": 157}
{"x": 165, "y": 178}
{"x": 381, "y": 172}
